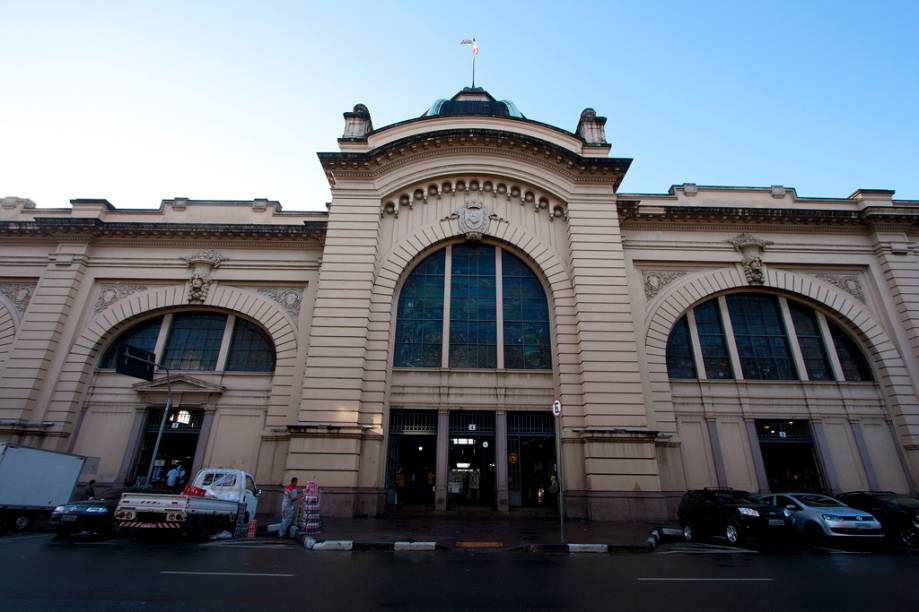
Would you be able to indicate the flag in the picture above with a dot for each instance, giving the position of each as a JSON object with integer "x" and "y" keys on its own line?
{"x": 470, "y": 42}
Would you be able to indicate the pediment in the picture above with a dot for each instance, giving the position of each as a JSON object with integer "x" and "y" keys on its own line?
{"x": 181, "y": 383}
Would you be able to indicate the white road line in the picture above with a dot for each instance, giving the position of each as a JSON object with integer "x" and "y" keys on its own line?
{"x": 227, "y": 574}
{"x": 705, "y": 579}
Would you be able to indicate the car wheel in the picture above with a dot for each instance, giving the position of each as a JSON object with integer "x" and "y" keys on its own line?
{"x": 813, "y": 533}
{"x": 688, "y": 534}
{"x": 22, "y": 522}
{"x": 909, "y": 537}
{"x": 62, "y": 532}
{"x": 732, "y": 533}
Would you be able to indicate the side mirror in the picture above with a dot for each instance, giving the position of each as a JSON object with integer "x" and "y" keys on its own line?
{"x": 258, "y": 492}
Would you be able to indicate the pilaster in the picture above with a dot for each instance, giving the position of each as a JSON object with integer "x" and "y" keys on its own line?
{"x": 25, "y": 388}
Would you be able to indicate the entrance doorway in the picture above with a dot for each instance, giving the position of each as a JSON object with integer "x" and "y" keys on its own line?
{"x": 789, "y": 455}
{"x": 177, "y": 446}
{"x": 530, "y": 459}
{"x": 411, "y": 461}
{"x": 471, "y": 470}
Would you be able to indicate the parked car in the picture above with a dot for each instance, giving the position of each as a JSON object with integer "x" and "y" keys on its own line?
{"x": 819, "y": 517}
{"x": 93, "y": 515}
{"x": 899, "y": 514}
{"x": 735, "y": 515}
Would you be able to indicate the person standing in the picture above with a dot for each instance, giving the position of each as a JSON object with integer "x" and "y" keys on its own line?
{"x": 89, "y": 491}
{"x": 172, "y": 477}
{"x": 289, "y": 507}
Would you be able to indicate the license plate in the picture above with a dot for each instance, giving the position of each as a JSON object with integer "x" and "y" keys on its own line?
{"x": 777, "y": 522}
{"x": 863, "y": 526}
{"x": 68, "y": 518}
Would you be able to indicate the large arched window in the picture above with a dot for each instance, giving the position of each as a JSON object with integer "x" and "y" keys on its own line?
{"x": 496, "y": 315}
{"x": 759, "y": 336}
{"x": 194, "y": 341}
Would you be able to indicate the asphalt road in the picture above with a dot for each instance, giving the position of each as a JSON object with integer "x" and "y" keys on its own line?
{"x": 39, "y": 573}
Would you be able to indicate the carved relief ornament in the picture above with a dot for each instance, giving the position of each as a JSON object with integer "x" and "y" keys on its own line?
{"x": 201, "y": 264}
{"x": 847, "y": 282}
{"x": 752, "y": 249}
{"x": 656, "y": 280}
{"x": 20, "y": 294}
{"x": 290, "y": 298}
{"x": 109, "y": 294}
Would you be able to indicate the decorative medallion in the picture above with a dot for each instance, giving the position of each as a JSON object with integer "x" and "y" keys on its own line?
{"x": 658, "y": 279}
{"x": 474, "y": 219}
{"x": 752, "y": 249}
{"x": 20, "y": 294}
{"x": 290, "y": 298}
{"x": 847, "y": 282}
{"x": 109, "y": 294}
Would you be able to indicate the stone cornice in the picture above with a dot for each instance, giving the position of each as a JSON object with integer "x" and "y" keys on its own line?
{"x": 472, "y": 141}
{"x": 64, "y": 227}
{"x": 631, "y": 212}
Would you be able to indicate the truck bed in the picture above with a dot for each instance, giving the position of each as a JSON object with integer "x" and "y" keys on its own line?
{"x": 165, "y": 502}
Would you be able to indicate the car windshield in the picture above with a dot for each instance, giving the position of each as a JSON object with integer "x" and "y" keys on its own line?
{"x": 736, "y": 497}
{"x": 910, "y": 502}
{"x": 819, "y": 501}
{"x": 218, "y": 479}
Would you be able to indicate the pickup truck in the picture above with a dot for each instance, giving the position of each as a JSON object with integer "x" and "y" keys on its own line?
{"x": 222, "y": 499}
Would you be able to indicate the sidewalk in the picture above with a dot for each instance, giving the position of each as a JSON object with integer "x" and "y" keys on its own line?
{"x": 537, "y": 534}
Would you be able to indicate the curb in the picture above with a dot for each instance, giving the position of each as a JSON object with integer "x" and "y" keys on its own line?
{"x": 588, "y": 548}
{"x": 331, "y": 545}
{"x": 414, "y": 546}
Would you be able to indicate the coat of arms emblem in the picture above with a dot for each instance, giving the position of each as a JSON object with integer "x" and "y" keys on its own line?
{"x": 473, "y": 219}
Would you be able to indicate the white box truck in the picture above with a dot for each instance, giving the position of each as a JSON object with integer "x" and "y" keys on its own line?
{"x": 33, "y": 482}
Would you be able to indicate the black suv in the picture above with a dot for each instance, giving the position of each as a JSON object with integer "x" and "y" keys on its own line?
{"x": 899, "y": 514}
{"x": 735, "y": 515}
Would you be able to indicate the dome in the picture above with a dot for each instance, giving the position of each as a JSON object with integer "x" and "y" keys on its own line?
{"x": 473, "y": 101}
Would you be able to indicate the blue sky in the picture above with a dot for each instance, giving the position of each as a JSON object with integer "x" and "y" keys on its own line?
{"x": 140, "y": 101}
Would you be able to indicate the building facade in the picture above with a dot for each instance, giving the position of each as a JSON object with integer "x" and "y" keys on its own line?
{"x": 404, "y": 348}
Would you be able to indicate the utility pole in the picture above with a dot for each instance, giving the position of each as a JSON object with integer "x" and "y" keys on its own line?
{"x": 557, "y": 411}
{"x": 140, "y": 363}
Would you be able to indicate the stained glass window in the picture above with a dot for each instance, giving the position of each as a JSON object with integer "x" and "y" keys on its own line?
{"x": 251, "y": 349}
{"x": 855, "y": 367}
{"x": 810, "y": 340}
{"x": 473, "y": 311}
{"x": 194, "y": 341}
{"x": 711, "y": 337}
{"x": 680, "y": 361}
{"x": 143, "y": 336}
{"x": 760, "y": 337}
{"x": 419, "y": 329}
{"x": 526, "y": 317}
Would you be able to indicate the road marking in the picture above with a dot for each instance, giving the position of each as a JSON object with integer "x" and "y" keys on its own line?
{"x": 25, "y": 538}
{"x": 705, "y": 579}
{"x": 226, "y": 574}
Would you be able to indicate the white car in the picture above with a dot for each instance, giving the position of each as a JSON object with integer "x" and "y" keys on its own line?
{"x": 819, "y": 517}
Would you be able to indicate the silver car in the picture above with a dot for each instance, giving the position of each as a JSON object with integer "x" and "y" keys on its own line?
{"x": 818, "y": 517}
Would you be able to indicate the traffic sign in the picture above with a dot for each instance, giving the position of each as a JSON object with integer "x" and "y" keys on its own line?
{"x": 557, "y": 408}
{"x": 136, "y": 362}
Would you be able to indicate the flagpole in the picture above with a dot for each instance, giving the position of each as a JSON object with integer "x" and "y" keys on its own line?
{"x": 473, "y": 70}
